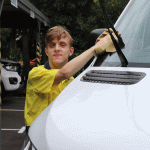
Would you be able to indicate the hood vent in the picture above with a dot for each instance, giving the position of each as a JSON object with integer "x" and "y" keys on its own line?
{"x": 113, "y": 77}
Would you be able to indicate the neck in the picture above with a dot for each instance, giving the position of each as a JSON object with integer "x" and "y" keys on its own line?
{"x": 55, "y": 66}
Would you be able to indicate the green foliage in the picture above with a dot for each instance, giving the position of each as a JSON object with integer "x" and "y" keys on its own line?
{"x": 5, "y": 34}
{"x": 97, "y": 2}
{"x": 9, "y": 48}
{"x": 117, "y": 7}
{"x": 15, "y": 54}
{"x": 79, "y": 17}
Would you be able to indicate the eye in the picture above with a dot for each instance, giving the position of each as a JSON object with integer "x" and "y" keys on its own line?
{"x": 51, "y": 45}
{"x": 62, "y": 44}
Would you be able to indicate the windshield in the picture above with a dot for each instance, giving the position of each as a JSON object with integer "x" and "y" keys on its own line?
{"x": 134, "y": 27}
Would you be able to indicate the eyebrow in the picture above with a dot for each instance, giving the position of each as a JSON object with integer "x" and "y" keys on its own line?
{"x": 63, "y": 42}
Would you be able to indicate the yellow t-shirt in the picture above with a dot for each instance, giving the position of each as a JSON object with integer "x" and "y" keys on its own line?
{"x": 40, "y": 92}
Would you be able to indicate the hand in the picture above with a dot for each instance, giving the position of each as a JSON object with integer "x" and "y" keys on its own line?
{"x": 100, "y": 46}
{"x": 104, "y": 42}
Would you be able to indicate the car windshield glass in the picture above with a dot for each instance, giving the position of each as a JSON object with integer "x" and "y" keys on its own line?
{"x": 134, "y": 27}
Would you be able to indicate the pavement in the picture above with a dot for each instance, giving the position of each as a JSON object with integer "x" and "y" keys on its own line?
{"x": 12, "y": 120}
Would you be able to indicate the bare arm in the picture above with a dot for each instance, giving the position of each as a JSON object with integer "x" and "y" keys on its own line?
{"x": 73, "y": 66}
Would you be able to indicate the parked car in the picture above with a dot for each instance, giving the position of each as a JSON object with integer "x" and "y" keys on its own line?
{"x": 33, "y": 62}
{"x": 107, "y": 107}
{"x": 11, "y": 76}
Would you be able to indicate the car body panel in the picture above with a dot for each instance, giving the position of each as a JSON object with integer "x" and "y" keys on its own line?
{"x": 5, "y": 75}
{"x": 108, "y": 116}
{"x": 5, "y": 79}
{"x": 104, "y": 116}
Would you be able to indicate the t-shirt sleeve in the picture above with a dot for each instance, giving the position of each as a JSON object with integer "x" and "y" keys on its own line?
{"x": 42, "y": 79}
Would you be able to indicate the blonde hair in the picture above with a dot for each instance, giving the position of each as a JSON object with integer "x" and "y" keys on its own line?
{"x": 57, "y": 32}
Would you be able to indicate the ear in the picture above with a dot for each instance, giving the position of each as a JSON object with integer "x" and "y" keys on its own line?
{"x": 71, "y": 51}
{"x": 46, "y": 51}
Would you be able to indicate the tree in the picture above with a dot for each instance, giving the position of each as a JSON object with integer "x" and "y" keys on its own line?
{"x": 10, "y": 50}
{"x": 79, "y": 17}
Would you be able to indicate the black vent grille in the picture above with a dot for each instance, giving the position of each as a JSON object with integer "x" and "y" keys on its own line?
{"x": 113, "y": 77}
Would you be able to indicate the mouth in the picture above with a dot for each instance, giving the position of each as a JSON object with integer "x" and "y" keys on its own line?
{"x": 57, "y": 55}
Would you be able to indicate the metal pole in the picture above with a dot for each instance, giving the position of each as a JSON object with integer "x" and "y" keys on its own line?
{"x": 38, "y": 47}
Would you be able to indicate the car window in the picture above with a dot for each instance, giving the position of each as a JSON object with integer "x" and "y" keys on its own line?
{"x": 135, "y": 31}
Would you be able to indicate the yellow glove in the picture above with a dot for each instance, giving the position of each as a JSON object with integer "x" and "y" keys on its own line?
{"x": 107, "y": 46}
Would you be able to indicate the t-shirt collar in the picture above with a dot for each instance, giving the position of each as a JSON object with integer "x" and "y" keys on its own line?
{"x": 46, "y": 65}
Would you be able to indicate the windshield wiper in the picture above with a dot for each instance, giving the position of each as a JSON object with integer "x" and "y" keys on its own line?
{"x": 118, "y": 45}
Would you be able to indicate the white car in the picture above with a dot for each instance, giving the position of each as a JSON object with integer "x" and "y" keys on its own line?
{"x": 107, "y": 107}
{"x": 10, "y": 76}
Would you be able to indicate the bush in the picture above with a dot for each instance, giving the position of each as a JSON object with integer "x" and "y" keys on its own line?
{"x": 9, "y": 48}
{"x": 15, "y": 54}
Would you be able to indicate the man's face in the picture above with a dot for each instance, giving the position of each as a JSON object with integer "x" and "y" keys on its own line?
{"x": 58, "y": 52}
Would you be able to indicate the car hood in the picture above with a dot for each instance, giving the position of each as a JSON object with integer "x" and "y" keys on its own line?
{"x": 91, "y": 116}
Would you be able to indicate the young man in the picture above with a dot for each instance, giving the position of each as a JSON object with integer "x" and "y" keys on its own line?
{"x": 47, "y": 81}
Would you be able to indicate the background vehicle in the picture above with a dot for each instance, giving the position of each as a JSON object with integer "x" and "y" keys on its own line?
{"x": 33, "y": 63}
{"x": 11, "y": 77}
{"x": 107, "y": 106}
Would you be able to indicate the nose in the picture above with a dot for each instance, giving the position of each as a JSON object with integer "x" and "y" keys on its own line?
{"x": 57, "y": 47}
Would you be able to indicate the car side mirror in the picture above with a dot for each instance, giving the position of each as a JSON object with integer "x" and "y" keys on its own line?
{"x": 94, "y": 35}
